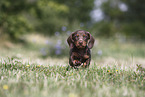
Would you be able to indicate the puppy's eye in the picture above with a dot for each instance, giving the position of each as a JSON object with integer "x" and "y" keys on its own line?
{"x": 77, "y": 36}
{"x": 84, "y": 36}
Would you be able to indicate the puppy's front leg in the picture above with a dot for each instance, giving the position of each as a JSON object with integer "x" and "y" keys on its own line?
{"x": 74, "y": 60}
{"x": 87, "y": 61}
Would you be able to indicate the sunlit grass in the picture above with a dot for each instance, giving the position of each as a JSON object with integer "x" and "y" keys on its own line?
{"x": 34, "y": 80}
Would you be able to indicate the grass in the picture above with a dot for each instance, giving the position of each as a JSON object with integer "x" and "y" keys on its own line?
{"x": 35, "y": 70}
{"x": 33, "y": 80}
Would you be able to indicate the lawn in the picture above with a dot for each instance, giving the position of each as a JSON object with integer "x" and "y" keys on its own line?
{"x": 37, "y": 69}
{"x": 34, "y": 80}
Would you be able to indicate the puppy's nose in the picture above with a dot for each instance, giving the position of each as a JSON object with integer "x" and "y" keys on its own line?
{"x": 80, "y": 42}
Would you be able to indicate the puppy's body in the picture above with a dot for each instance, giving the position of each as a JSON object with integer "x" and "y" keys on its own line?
{"x": 80, "y": 43}
{"x": 80, "y": 57}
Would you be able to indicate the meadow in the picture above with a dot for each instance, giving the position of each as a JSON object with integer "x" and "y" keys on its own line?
{"x": 39, "y": 68}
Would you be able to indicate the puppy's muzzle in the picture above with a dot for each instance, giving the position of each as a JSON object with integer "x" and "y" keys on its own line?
{"x": 80, "y": 42}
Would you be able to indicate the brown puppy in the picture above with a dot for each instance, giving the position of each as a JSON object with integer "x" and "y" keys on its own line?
{"x": 80, "y": 43}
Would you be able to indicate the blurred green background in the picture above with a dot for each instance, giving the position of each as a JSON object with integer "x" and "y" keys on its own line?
{"x": 104, "y": 18}
{"x": 40, "y": 27}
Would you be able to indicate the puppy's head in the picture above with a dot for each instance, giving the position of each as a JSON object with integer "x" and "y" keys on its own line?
{"x": 80, "y": 39}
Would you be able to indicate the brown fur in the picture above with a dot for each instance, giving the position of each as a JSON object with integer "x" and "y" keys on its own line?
{"x": 80, "y": 43}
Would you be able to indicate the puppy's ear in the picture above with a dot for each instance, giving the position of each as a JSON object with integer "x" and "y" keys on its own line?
{"x": 70, "y": 40}
{"x": 91, "y": 40}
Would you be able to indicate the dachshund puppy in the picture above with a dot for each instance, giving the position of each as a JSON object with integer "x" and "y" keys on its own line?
{"x": 80, "y": 43}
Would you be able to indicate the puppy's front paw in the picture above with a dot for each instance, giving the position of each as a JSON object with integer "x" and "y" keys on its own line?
{"x": 84, "y": 65}
{"x": 76, "y": 63}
